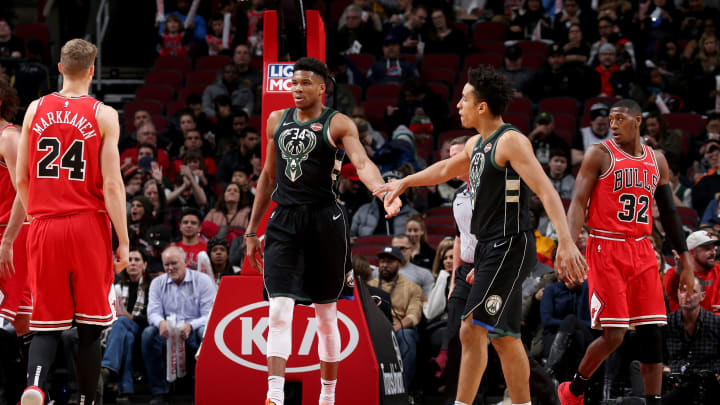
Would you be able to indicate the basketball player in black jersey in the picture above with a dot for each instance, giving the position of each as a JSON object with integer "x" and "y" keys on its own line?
{"x": 501, "y": 166}
{"x": 307, "y": 255}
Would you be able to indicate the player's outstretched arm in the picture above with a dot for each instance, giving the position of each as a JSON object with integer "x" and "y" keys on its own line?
{"x": 515, "y": 149}
{"x": 113, "y": 187}
{"x": 8, "y": 151}
{"x": 265, "y": 186}
{"x": 437, "y": 173}
{"x": 343, "y": 129}
{"x": 672, "y": 224}
{"x": 22, "y": 172}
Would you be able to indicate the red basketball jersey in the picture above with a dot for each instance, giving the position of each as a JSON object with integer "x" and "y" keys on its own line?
{"x": 7, "y": 191}
{"x": 622, "y": 199}
{"x": 64, "y": 144}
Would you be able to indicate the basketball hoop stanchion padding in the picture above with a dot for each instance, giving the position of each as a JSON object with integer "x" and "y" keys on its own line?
{"x": 231, "y": 366}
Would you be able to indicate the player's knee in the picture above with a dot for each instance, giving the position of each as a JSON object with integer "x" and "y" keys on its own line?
{"x": 650, "y": 344}
{"x": 471, "y": 334}
{"x": 614, "y": 337}
{"x": 281, "y": 311}
{"x": 326, "y": 317}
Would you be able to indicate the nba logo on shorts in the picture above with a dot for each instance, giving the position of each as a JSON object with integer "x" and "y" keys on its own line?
{"x": 279, "y": 77}
{"x": 493, "y": 304}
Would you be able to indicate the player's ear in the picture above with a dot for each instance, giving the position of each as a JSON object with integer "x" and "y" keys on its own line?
{"x": 91, "y": 72}
{"x": 60, "y": 69}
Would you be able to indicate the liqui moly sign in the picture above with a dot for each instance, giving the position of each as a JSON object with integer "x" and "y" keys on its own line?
{"x": 279, "y": 77}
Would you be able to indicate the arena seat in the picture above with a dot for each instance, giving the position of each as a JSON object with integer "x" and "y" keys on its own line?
{"x": 170, "y": 78}
{"x": 181, "y": 64}
{"x": 559, "y": 105}
{"x": 362, "y": 61}
{"x": 384, "y": 91}
{"x": 163, "y": 94}
{"x": 201, "y": 78}
{"x": 442, "y": 90}
{"x": 489, "y": 31}
{"x": 373, "y": 240}
{"x": 446, "y": 76}
{"x": 691, "y": 123}
{"x": 441, "y": 61}
{"x": 214, "y": 63}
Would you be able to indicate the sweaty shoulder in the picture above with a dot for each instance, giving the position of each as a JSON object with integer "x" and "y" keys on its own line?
{"x": 272, "y": 122}
{"x": 598, "y": 156}
{"x": 470, "y": 144}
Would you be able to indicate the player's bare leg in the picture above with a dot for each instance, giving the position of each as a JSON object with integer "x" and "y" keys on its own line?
{"x": 652, "y": 378}
{"x": 474, "y": 360}
{"x": 515, "y": 366}
{"x": 328, "y": 350}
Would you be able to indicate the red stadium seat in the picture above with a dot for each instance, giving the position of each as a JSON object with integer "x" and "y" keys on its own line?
{"x": 256, "y": 62}
{"x": 153, "y": 107}
{"x": 439, "y": 211}
{"x": 559, "y": 105}
{"x": 446, "y": 76}
{"x": 693, "y": 124}
{"x": 374, "y": 240}
{"x": 255, "y": 122}
{"x": 163, "y": 94}
{"x": 565, "y": 135}
{"x": 160, "y": 122}
{"x": 214, "y": 63}
{"x": 478, "y": 59}
{"x": 170, "y": 78}
{"x": 434, "y": 240}
{"x": 489, "y": 31}
{"x": 409, "y": 57}
{"x": 202, "y": 78}
{"x": 441, "y": 90}
{"x": 356, "y": 92}
{"x": 519, "y": 120}
{"x": 441, "y": 61}
{"x": 375, "y": 112}
{"x": 533, "y": 61}
{"x": 175, "y": 107}
{"x": 490, "y": 47}
{"x": 37, "y": 31}
{"x": 565, "y": 122}
{"x": 385, "y": 91}
{"x": 439, "y": 229}
{"x": 185, "y": 92}
{"x": 520, "y": 105}
{"x": 361, "y": 61}
{"x": 461, "y": 27}
{"x": 440, "y": 220}
{"x": 688, "y": 217}
{"x": 337, "y": 7}
{"x": 533, "y": 47}
{"x": 181, "y": 64}
{"x": 369, "y": 251}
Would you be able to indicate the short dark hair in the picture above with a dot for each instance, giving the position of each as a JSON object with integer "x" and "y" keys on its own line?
{"x": 240, "y": 113}
{"x": 713, "y": 116}
{"x": 631, "y": 105}
{"x": 312, "y": 65}
{"x": 246, "y": 130}
{"x": 559, "y": 152}
{"x": 186, "y": 111}
{"x": 460, "y": 140}
{"x": 147, "y": 145}
{"x": 193, "y": 212}
{"x": 193, "y": 98}
{"x": 492, "y": 87}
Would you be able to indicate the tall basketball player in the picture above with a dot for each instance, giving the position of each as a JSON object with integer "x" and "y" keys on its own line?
{"x": 501, "y": 166}
{"x": 620, "y": 177}
{"x": 307, "y": 255}
{"x": 15, "y": 297}
{"x": 68, "y": 176}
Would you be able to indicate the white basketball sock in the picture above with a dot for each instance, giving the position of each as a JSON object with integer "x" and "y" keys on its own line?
{"x": 327, "y": 392}
{"x": 276, "y": 391}
{"x": 460, "y": 403}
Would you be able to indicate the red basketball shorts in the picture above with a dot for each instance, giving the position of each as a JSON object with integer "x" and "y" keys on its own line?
{"x": 71, "y": 268}
{"x": 15, "y": 296}
{"x": 624, "y": 282}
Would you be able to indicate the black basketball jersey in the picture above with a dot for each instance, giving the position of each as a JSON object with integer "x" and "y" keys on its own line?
{"x": 306, "y": 163}
{"x": 500, "y": 199}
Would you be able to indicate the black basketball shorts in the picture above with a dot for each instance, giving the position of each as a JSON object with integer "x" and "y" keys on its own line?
{"x": 307, "y": 254}
{"x": 495, "y": 298}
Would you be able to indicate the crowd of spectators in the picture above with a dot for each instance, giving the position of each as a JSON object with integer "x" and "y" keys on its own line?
{"x": 190, "y": 162}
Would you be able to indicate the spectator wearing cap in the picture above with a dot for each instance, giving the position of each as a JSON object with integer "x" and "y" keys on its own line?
{"x": 351, "y": 192}
{"x": 355, "y": 35}
{"x": 391, "y": 68}
{"x": 406, "y": 299}
{"x": 410, "y": 35}
{"x": 191, "y": 242}
{"x": 702, "y": 246}
{"x": 131, "y": 289}
{"x": 598, "y": 131}
{"x": 520, "y": 77}
{"x": 189, "y": 295}
{"x": 544, "y": 139}
{"x": 616, "y": 74}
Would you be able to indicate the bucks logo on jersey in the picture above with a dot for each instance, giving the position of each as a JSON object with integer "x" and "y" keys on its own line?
{"x": 296, "y": 145}
{"x": 477, "y": 165}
